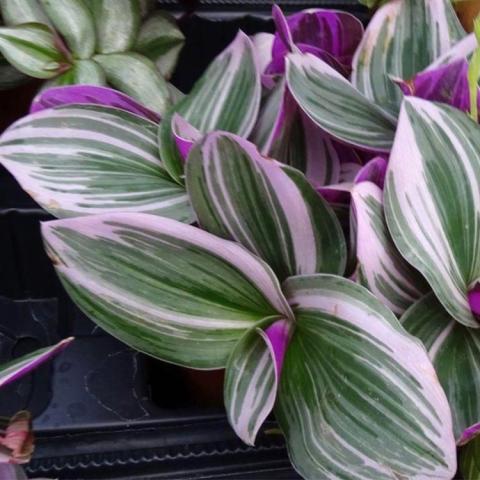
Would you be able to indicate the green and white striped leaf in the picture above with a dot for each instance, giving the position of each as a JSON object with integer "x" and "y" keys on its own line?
{"x": 31, "y": 49}
{"x": 161, "y": 41}
{"x": 455, "y": 352}
{"x": 15, "y": 12}
{"x": 226, "y": 97}
{"x": 165, "y": 288}
{"x": 336, "y": 106}
{"x": 138, "y": 77}
{"x": 269, "y": 208}
{"x": 470, "y": 460}
{"x": 432, "y": 199}
{"x": 251, "y": 381}
{"x": 117, "y": 23}
{"x": 403, "y": 38}
{"x": 358, "y": 397}
{"x": 381, "y": 267}
{"x": 86, "y": 159}
{"x": 461, "y": 50}
{"x": 74, "y": 21}
{"x": 19, "y": 367}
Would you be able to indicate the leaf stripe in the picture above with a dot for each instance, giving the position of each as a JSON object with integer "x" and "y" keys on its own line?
{"x": 85, "y": 159}
{"x": 439, "y": 237}
{"x": 268, "y": 208}
{"x": 168, "y": 289}
{"x": 352, "y": 403}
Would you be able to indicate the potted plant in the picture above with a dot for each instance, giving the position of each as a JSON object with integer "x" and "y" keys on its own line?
{"x": 306, "y": 218}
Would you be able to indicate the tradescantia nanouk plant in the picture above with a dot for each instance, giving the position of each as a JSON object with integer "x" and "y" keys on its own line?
{"x": 307, "y": 217}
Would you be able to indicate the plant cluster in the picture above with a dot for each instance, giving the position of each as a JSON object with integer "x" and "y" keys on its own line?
{"x": 306, "y": 217}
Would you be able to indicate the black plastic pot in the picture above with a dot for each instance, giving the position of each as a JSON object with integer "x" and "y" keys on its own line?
{"x": 103, "y": 410}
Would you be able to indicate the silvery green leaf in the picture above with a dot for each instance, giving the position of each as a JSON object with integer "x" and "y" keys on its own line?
{"x": 138, "y": 77}
{"x": 31, "y": 48}
{"x": 117, "y": 23}
{"x": 74, "y": 21}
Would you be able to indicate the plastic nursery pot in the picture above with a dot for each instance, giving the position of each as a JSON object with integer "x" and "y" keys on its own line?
{"x": 467, "y": 10}
{"x": 15, "y": 102}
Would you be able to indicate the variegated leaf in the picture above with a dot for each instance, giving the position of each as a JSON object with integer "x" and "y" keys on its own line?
{"x": 297, "y": 141}
{"x": 403, "y": 38}
{"x": 381, "y": 267}
{"x": 359, "y": 397}
{"x": 251, "y": 380}
{"x": 226, "y": 97}
{"x": 262, "y": 46}
{"x": 31, "y": 48}
{"x": 270, "y": 209}
{"x": 19, "y": 367}
{"x": 87, "y": 159}
{"x": 16, "y": 12}
{"x": 470, "y": 460}
{"x": 74, "y": 21}
{"x": 117, "y": 23}
{"x": 161, "y": 41}
{"x": 93, "y": 95}
{"x": 432, "y": 200}
{"x": 337, "y": 107}
{"x": 138, "y": 77}
{"x": 455, "y": 352}
{"x": 165, "y": 288}
{"x": 462, "y": 50}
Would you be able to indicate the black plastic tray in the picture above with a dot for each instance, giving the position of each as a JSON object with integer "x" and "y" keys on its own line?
{"x": 102, "y": 410}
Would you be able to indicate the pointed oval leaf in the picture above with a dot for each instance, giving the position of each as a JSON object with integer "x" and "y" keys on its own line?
{"x": 86, "y": 159}
{"x": 262, "y": 46}
{"x": 462, "y": 50}
{"x": 434, "y": 215}
{"x": 19, "y": 367}
{"x": 165, "y": 288}
{"x": 337, "y": 107}
{"x": 73, "y": 20}
{"x": 31, "y": 48}
{"x": 90, "y": 94}
{"x": 161, "y": 41}
{"x": 226, "y": 97}
{"x": 403, "y": 38}
{"x": 138, "y": 77}
{"x": 381, "y": 267}
{"x": 251, "y": 380}
{"x": 117, "y": 23}
{"x": 270, "y": 209}
{"x": 359, "y": 397}
{"x": 455, "y": 352}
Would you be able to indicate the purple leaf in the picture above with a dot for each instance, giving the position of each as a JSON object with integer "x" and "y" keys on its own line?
{"x": 185, "y": 135}
{"x": 469, "y": 434}
{"x": 19, "y": 367}
{"x": 90, "y": 94}
{"x": 446, "y": 84}
{"x": 373, "y": 171}
{"x": 330, "y": 35}
{"x": 278, "y": 335}
{"x": 474, "y": 299}
{"x": 283, "y": 30}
